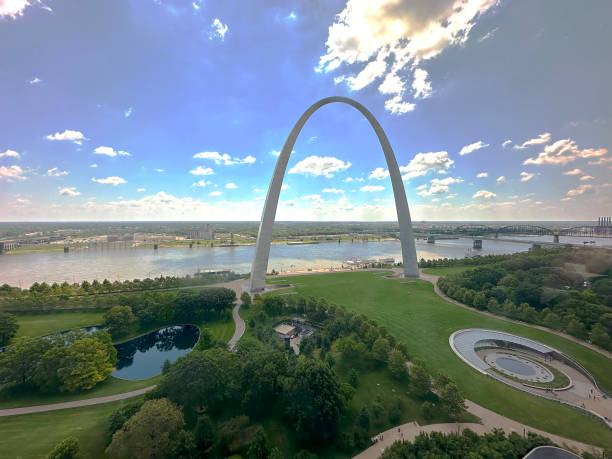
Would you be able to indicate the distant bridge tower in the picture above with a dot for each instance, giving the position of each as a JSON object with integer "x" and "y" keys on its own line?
{"x": 477, "y": 244}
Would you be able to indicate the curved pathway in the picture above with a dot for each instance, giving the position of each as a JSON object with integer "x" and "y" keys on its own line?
{"x": 489, "y": 421}
{"x": 237, "y": 286}
{"x": 74, "y": 404}
{"x": 434, "y": 280}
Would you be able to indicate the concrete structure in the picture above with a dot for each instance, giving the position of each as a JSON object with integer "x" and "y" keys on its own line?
{"x": 264, "y": 238}
{"x": 206, "y": 234}
{"x": 284, "y": 331}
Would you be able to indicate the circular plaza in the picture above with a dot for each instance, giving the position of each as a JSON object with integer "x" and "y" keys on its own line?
{"x": 532, "y": 367}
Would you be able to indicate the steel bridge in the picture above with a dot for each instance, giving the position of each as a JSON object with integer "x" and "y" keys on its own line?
{"x": 595, "y": 231}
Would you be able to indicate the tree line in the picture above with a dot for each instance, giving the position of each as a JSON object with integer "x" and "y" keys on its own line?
{"x": 539, "y": 287}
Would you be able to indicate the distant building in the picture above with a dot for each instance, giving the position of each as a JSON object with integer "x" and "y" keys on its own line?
{"x": 284, "y": 331}
{"x": 205, "y": 234}
{"x": 5, "y": 246}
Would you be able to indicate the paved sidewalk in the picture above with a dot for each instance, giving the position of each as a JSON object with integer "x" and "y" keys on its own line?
{"x": 74, "y": 404}
{"x": 490, "y": 420}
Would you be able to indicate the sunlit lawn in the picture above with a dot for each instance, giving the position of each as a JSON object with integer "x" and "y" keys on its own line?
{"x": 414, "y": 314}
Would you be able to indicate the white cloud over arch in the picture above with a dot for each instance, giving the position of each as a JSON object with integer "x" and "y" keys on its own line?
{"x": 320, "y": 165}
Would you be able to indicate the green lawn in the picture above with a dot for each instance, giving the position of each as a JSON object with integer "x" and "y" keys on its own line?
{"x": 414, "y": 314}
{"x": 35, "y": 435}
{"x": 448, "y": 271}
{"x": 109, "y": 387}
{"x": 43, "y": 324}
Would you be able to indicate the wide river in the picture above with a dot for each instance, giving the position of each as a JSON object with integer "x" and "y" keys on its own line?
{"x": 139, "y": 263}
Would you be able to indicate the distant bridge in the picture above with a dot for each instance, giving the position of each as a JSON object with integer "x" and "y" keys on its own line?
{"x": 595, "y": 231}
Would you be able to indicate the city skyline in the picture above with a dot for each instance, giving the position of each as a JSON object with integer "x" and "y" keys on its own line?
{"x": 176, "y": 110}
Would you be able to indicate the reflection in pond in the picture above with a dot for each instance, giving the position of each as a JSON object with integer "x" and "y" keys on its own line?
{"x": 143, "y": 357}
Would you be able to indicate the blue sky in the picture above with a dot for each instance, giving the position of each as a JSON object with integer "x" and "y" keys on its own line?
{"x": 172, "y": 109}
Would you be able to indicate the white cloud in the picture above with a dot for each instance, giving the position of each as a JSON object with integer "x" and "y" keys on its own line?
{"x": 230, "y": 186}
{"x": 69, "y": 191}
{"x": 10, "y": 154}
{"x": 202, "y": 171}
{"x": 446, "y": 181}
{"x": 506, "y": 143}
{"x": 159, "y": 170}
{"x": 371, "y": 188}
{"x": 312, "y": 197}
{"x": 109, "y": 151}
{"x": 379, "y": 173}
{"x": 564, "y": 151}
{"x": 113, "y": 180}
{"x": 214, "y": 193}
{"x": 422, "y": 187}
{"x": 434, "y": 189}
{"x": 320, "y": 165}
{"x": 482, "y": 175}
{"x": 579, "y": 190}
{"x": 488, "y": 35}
{"x": 218, "y": 30}
{"x": 258, "y": 190}
{"x": 13, "y": 8}
{"x": 141, "y": 190}
{"x": 586, "y": 177}
{"x": 386, "y": 39}
{"x": 420, "y": 85}
{"x": 484, "y": 194}
{"x": 11, "y": 173}
{"x": 501, "y": 179}
{"x": 423, "y": 163}
{"x": 291, "y": 16}
{"x": 128, "y": 112}
{"x": 438, "y": 186}
{"x": 72, "y": 136}
{"x": 451, "y": 196}
{"x": 275, "y": 152}
{"x": 284, "y": 187}
{"x": 332, "y": 190}
{"x": 526, "y": 176}
{"x": 573, "y": 172}
{"x": 55, "y": 172}
{"x": 224, "y": 158}
{"x": 35, "y": 80}
{"x": 93, "y": 165}
{"x": 202, "y": 183}
{"x": 542, "y": 138}
{"x": 466, "y": 150}
{"x": 600, "y": 161}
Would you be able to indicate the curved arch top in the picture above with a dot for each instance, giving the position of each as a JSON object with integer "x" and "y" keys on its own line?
{"x": 264, "y": 238}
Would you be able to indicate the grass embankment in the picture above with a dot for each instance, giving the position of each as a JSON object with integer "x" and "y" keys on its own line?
{"x": 33, "y": 325}
{"x": 414, "y": 314}
{"x": 450, "y": 270}
{"x": 35, "y": 435}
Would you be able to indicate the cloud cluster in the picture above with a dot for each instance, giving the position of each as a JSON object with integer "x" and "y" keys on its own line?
{"x": 539, "y": 140}
{"x": 438, "y": 186}
{"x": 55, "y": 172}
{"x": 320, "y": 165}
{"x": 218, "y": 30}
{"x": 466, "y": 150}
{"x": 202, "y": 171}
{"x": 113, "y": 180}
{"x": 388, "y": 40}
{"x": 69, "y": 191}
{"x": 371, "y": 188}
{"x": 422, "y": 163}
{"x": 378, "y": 174}
{"x": 12, "y": 8}
{"x": 224, "y": 158}
{"x": 484, "y": 194}
{"x": 11, "y": 173}
{"x": 526, "y": 176}
{"x": 72, "y": 136}
{"x": 579, "y": 190}
{"x": 10, "y": 154}
{"x": 564, "y": 151}
{"x": 482, "y": 175}
{"x": 109, "y": 151}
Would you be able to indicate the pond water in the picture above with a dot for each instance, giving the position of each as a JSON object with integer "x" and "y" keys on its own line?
{"x": 515, "y": 366}
{"x": 143, "y": 357}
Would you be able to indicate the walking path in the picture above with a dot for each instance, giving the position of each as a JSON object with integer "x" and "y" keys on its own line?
{"x": 74, "y": 404}
{"x": 489, "y": 421}
{"x": 434, "y": 280}
{"x": 240, "y": 327}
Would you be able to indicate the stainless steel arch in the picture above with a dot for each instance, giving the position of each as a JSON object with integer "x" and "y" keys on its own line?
{"x": 264, "y": 238}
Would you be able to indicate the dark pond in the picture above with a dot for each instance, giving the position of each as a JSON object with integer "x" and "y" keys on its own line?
{"x": 143, "y": 357}
{"x": 515, "y": 366}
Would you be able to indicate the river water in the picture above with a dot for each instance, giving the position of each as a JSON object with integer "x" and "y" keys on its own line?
{"x": 139, "y": 263}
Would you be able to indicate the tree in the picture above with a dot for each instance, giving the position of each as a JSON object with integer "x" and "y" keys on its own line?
{"x": 600, "y": 336}
{"x": 353, "y": 377}
{"x": 8, "y": 327}
{"x": 206, "y": 339}
{"x": 480, "y": 300}
{"x": 260, "y": 446}
{"x": 420, "y": 379}
{"x": 314, "y": 401}
{"x": 119, "y": 320}
{"x": 576, "y": 328}
{"x": 451, "y": 399}
{"x": 19, "y": 361}
{"x": 397, "y": 363}
{"x": 151, "y": 432}
{"x": 202, "y": 378}
{"x": 245, "y": 299}
{"x": 380, "y": 349}
{"x": 204, "y": 432}
{"x": 89, "y": 361}
{"x": 68, "y": 448}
